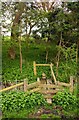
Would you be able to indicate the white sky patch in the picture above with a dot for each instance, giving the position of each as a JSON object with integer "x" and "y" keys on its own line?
{"x": 39, "y": 0}
{"x": 8, "y": 21}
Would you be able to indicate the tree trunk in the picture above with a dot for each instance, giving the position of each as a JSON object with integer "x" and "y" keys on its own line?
{"x": 46, "y": 56}
{"x": 77, "y": 51}
{"x": 16, "y": 21}
{"x": 77, "y": 54}
{"x": 20, "y": 52}
{"x": 15, "y": 27}
{"x": 58, "y": 56}
{"x": 78, "y": 60}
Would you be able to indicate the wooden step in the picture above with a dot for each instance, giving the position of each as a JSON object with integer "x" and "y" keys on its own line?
{"x": 48, "y": 96}
{"x": 49, "y": 91}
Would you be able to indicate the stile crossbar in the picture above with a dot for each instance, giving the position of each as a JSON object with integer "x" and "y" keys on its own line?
{"x": 35, "y": 65}
{"x": 50, "y": 65}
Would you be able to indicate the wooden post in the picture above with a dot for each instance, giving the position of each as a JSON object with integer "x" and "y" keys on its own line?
{"x": 34, "y": 64}
{"x": 71, "y": 83}
{"x": 38, "y": 79}
{"x": 52, "y": 72}
{"x": 16, "y": 84}
{"x": 25, "y": 85}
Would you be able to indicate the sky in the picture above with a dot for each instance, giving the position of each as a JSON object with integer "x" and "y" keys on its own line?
{"x": 38, "y": 0}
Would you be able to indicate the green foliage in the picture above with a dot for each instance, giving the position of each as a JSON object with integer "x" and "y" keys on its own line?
{"x": 46, "y": 70}
{"x": 66, "y": 100}
{"x": 24, "y": 113}
{"x": 67, "y": 63}
{"x": 35, "y": 52}
{"x": 15, "y": 101}
{"x": 51, "y": 116}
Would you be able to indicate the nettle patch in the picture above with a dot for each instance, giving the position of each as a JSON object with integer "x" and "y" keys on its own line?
{"x": 66, "y": 100}
{"x": 15, "y": 101}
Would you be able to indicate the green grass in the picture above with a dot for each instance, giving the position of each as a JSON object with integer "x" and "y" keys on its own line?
{"x": 51, "y": 116}
{"x": 20, "y": 114}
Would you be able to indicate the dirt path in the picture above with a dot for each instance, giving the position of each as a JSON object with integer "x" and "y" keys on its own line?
{"x": 51, "y": 114}
{"x": 44, "y": 112}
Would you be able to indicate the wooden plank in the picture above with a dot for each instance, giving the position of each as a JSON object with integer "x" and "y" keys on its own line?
{"x": 11, "y": 87}
{"x": 49, "y": 86}
{"x": 52, "y": 72}
{"x": 38, "y": 79}
{"x": 63, "y": 84}
{"x": 32, "y": 85}
{"x": 48, "y": 96}
{"x": 34, "y": 90}
{"x": 43, "y": 64}
{"x": 48, "y": 91}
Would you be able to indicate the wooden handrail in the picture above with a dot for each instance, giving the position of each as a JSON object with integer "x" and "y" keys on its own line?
{"x": 11, "y": 87}
{"x": 29, "y": 86}
{"x": 43, "y": 64}
{"x": 52, "y": 72}
{"x": 63, "y": 84}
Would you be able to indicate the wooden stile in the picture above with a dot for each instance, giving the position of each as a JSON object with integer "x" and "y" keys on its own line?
{"x": 34, "y": 64}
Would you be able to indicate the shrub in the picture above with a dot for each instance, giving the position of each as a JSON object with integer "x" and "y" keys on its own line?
{"x": 15, "y": 101}
{"x": 66, "y": 100}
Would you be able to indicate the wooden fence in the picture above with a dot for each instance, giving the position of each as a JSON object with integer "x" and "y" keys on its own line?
{"x": 47, "y": 89}
{"x": 25, "y": 85}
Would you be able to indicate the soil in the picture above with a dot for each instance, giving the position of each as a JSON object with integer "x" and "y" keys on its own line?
{"x": 42, "y": 111}
{"x": 57, "y": 112}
